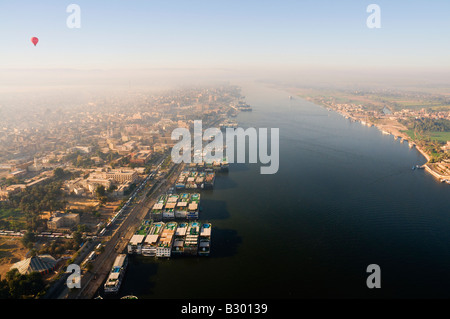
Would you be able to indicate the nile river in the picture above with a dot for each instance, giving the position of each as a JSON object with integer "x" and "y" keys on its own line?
{"x": 344, "y": 197}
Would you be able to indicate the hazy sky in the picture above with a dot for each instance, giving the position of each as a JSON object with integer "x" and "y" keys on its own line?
{"x": 224, "y": 33}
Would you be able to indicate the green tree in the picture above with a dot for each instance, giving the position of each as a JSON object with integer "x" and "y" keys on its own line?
{"x": 77, "y": 238}
{"x": 100, "y": 191}
{"x": 24, "y": 286}
{"x": 28, "y": 238}
{"x": 4, "y": 289}
{"x": 59, "y": 173}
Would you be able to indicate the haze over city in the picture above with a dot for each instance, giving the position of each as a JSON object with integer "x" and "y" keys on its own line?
{"x": 120, "y": 42}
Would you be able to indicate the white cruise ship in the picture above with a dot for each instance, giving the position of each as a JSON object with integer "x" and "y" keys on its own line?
{"x": 182, "y": 206}
{"x": 136, "y": 242}
{"x": 180, "y": 236}
{"x": 164, "y": 246}
{"x": 150, "y": 243}
{"x": 191, "y": 241}
{"x": 169, "y": 210}
{"x": 157, "y": 209}
{"x": 112, "y": 284}
{"x": 205, "y": 240}
{"x": 193, "y": 207}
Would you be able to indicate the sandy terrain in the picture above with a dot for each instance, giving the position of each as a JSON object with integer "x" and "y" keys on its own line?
{"x": 11, "y": 251}
{"x": 392, "y": 127}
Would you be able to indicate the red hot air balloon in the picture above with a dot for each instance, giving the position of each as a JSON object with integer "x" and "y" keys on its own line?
{"x": 34, "y": 40}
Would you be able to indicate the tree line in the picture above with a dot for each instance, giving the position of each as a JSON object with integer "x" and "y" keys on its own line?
{"x": 19, "y": 286}
{"x": 431, "y": 125}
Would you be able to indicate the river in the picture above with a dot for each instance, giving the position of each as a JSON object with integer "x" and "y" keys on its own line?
{"x": 344, "y": 197}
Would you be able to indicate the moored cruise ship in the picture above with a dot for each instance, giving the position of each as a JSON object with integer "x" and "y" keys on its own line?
{"x": 179, "y": 238}
{"x": 114, "y": 280}
{"x": 164, "y": 246}
{"x": 193, "y": 207}
{"x": 200, "y": 178}
{"x": 181, "y": 181}
{"x": 228, "y": 124}
{"x": 209, "y": 180}
{"x": 204, "y": 244}
{"x": 190, "y": 181}
{"x": 191, "y": 240}
{"x": 182, "y": 206}
{"x": 136, "y": 242}
{"x": 157, "y": 209}
{"x": 169, "y": 209}
{"x": 151, "y": 240}
{"x": 224, "y": 167}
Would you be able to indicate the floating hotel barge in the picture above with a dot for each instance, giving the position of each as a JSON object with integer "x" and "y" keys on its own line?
{"x": 114, "y": 281}
{"x": 175, "y": 238}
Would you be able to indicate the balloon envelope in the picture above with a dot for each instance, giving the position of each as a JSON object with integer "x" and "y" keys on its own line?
{"x": 34, "y": 40}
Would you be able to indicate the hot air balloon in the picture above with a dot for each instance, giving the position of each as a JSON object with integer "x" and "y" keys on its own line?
{"x": 34, "y": 40}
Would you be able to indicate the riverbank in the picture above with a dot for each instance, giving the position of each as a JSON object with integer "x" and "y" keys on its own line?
{"x": 392, "y": 127}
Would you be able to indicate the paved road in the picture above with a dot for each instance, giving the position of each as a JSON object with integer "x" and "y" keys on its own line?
{"x": 91, "y": 281}
{"x": 115, "y": 242}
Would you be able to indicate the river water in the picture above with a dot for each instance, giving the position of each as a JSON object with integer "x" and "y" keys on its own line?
{"x": 344, "y": 197}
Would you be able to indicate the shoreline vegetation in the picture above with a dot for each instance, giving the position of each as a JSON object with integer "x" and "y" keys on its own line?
{"x": 380, "y": 115}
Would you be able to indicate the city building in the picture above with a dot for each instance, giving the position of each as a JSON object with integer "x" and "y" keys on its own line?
{"x": 61, "y": 220}
{"x": 122, "y": 175}
{"x": 140, "y": 158}
{"x": 120, "y": 191}
{"x": 6, "y": 192}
